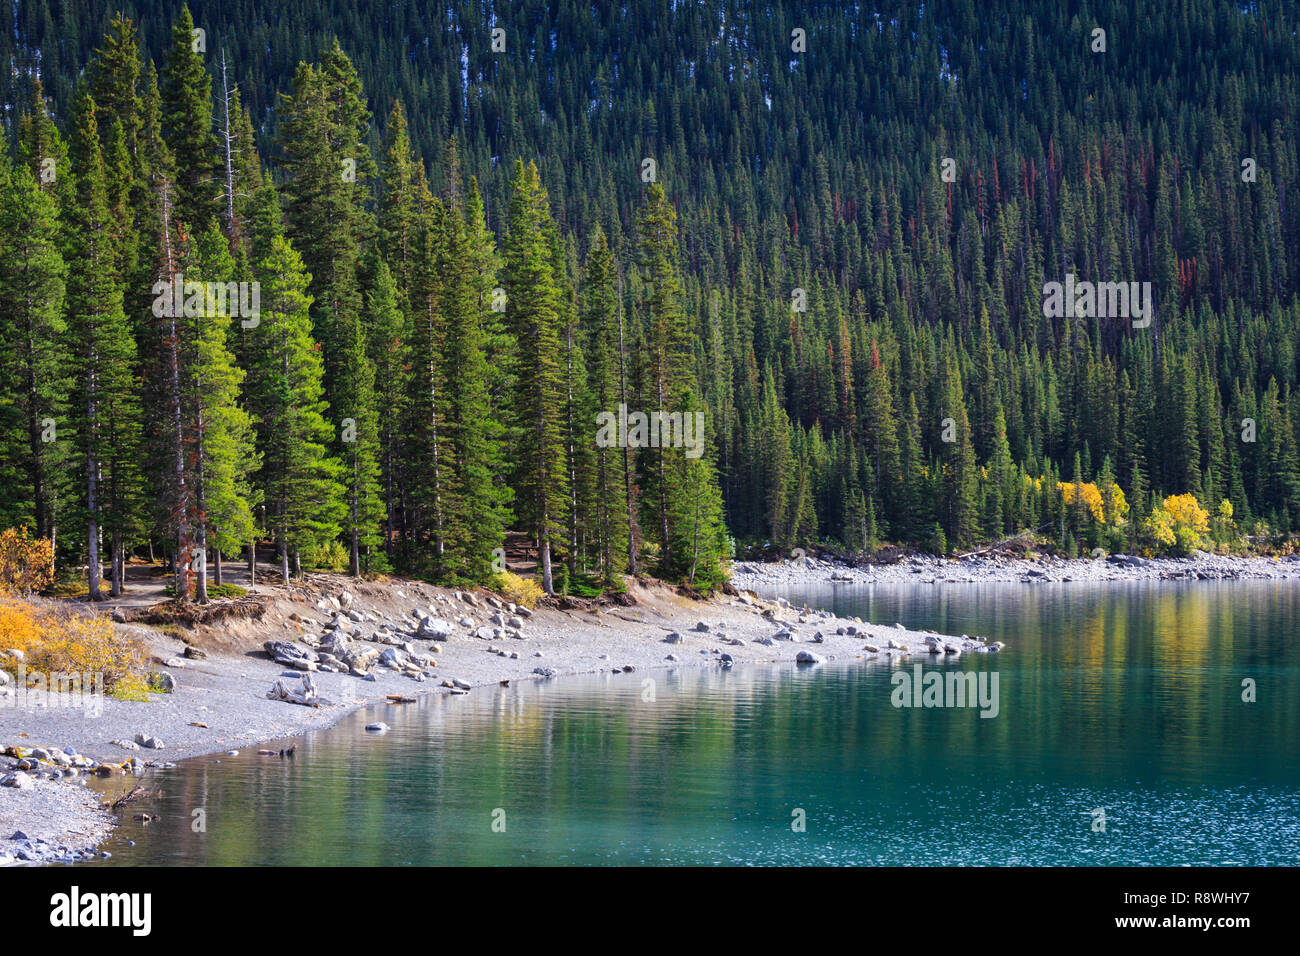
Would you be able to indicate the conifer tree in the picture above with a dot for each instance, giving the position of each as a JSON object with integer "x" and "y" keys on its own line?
{"x": 533, "y": 314}
{"x": 187, "y": 125}
{"x": 32, "y": 374}
{"x": 104, "y": 407}
{"x": 299, "y": 480}
{"x": 599, "y": 316}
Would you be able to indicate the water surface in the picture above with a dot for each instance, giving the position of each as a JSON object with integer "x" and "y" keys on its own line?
{"x": 1122, "y": 698}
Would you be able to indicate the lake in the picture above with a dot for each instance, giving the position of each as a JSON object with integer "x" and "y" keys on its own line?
{"x": 1125, "y": 700}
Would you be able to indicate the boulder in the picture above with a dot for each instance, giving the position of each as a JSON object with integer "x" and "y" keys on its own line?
{"x": 393, "y": 658}
{"x": 434, "y": 629}
{"x": 360, "y": 660}
{"x": 18, "y": 780}
{"x": 284, "y": 651}
{"x": 808, "y": 657}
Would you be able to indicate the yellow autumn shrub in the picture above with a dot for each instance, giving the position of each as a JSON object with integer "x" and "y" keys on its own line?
{"x": 516, "y": 589}
{"x": 54, "y": 638}
{"x": 26, "y": 563}
{"x": 1179, "y": 525}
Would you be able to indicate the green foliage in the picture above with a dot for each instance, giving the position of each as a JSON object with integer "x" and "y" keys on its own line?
{"x": 813, "y": 287}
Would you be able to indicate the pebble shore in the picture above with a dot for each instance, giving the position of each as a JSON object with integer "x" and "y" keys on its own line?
{"x": 924, "y": 569}
{"x": 303, "y": 666}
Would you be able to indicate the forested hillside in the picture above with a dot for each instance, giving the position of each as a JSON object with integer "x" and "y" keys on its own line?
{"x": 472, "y": 234}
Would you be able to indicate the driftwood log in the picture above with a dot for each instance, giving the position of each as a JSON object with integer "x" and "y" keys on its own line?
{"x": 306, "y": 694}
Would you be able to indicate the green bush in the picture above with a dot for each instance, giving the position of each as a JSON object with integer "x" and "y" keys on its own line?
{"x": 331, "y": 556}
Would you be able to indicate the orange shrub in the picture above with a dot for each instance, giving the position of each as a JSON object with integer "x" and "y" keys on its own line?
{"x": 55, "y": 638}
{"x": 26, "y": 563}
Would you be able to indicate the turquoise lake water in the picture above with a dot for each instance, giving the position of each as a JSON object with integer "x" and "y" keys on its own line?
{"x": 1114, "y": 698}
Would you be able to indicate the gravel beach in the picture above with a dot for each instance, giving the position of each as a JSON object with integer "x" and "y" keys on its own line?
{"x": 358, "y": 643}
{"x": 924, "y": 569}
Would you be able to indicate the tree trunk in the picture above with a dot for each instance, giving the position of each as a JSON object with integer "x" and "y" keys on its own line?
{"x": 284, "y": 560}
{"x": 544, "y": 552}
{"x": 92, "y": 566}
{"x": 216, "y": 558}
{"x": 252, "y": 562}
{"x": 627, "y": 451}
{"x": 116, "y": 589}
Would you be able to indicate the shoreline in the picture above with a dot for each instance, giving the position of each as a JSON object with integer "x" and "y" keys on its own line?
{"x": 926, "y": 569}
{"x": 219, "y": 703}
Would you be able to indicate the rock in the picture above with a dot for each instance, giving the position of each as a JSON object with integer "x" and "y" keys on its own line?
{"x": 393, "y": 658}
{"x": 434, "y": 629}
{"x": 166, "y": 682}
{"x": 515, "y": 622}
{"x": 119, "y": 615}
{"x": 671, "y": 657}
{"x": 283, "y": 651}
{"x": 485, "y": 632}
{"x": 5, "y": 679}
{"x": 899, "y": 627}
{"x": 195, "y": 654}
{"x": 545, "y": 671}
{"x": 463, "y": 685}
{"x": 360, "y": 660}
{"x": 674, "y": 638}
{"x": 893, "y": 645}
{"x": 818, "y": 638}
{"x": 19, "y": 835}
{"x": 808, "y": 657}
{"x": 727, "y": 659}
{"x": 871, "y": 648}
{"x": 19, "y": 781}
{"x": 148, "y": 743}
{"x": 377, "y": 728}
{"x": 523, "y": 612}
{"x": 126, "y": 744}
{"x": 702, "y": 626}
{"x": 465, "y": 622}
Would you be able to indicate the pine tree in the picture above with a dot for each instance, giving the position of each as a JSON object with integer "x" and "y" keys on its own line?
{"x": 478, "y": 512}
{"x": 599, "y": 317}
{"x": 387, "y": 343}
{"x": 187, "y": 125}
{"x": 533, "y": 313}
{"x": 359, "y": 431}
{"x": 32, "y": 373}
{"x": 299, "y": 480}
{"x": 104, "y": 406}
{"x": 220, "y": 448}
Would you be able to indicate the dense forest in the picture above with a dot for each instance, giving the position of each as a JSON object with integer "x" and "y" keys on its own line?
{"x": 364, "y": 281}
